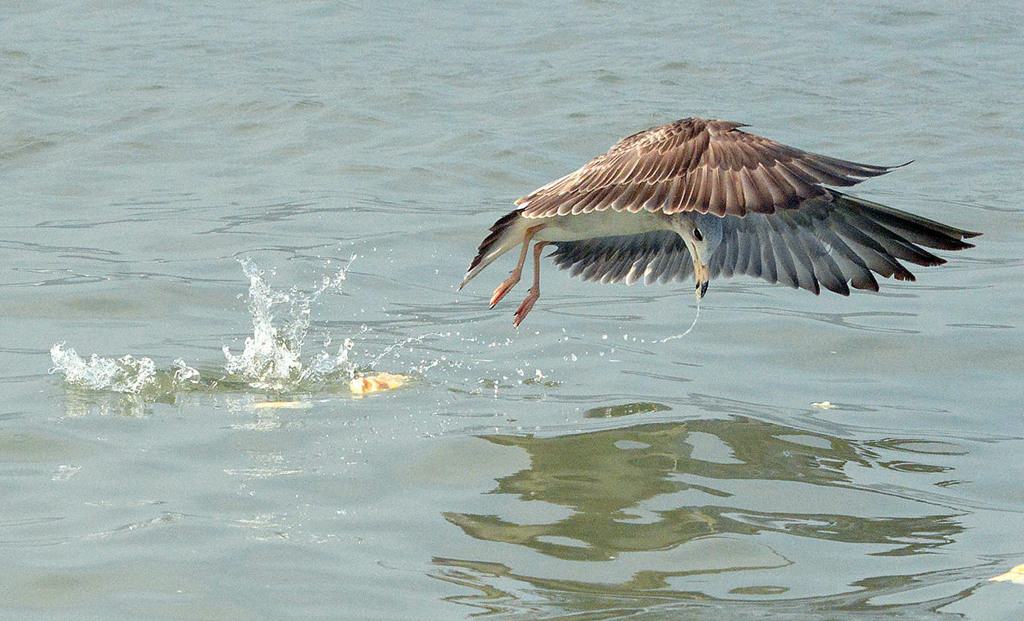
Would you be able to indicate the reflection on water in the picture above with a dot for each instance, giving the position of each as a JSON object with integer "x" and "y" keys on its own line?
{"x": 625, "y": 409}
{"x": 671, "y": 501}
{"x": 539, "y": 598}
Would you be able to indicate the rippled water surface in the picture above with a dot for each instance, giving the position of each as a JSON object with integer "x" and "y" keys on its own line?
{"x": 214, "y": 217}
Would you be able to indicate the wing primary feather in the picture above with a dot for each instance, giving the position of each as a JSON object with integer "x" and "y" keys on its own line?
{"x": 785, "y": 270}
{"x": 874, "y": 255}
{"x": 914, "y": 228}
{"x": 803, "y": 266}
{"x": 768, "y": 271}
{"x": 851, "y": 266}
{"x": 893, "y": 243}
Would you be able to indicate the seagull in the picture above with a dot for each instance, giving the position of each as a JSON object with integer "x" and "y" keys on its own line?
{"x": 702, "y": 197}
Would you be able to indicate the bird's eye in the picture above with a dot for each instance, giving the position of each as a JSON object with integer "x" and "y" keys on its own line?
{"x": 698, "y": 235}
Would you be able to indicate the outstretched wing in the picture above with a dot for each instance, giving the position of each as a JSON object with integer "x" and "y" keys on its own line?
{"x": 701, "y": 165}
{"x": 832, "y": 244}
{"x": 659, "y": 256}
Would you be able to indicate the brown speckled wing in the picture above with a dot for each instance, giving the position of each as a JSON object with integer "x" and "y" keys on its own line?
{"x": 697, "y": 165}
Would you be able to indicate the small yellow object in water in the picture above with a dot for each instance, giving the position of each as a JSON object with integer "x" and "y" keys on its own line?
{"x": 825, "y": 405}
{"x": 1015, "y": 575}
{"x": 365, "y": 384}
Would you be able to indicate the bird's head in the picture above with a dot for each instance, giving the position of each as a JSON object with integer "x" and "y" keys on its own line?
{"x": 702, "y": 234}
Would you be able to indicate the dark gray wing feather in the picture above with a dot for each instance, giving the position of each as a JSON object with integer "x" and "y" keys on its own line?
{"x": 831, "y": 244}
{"x": 659, "y": 256}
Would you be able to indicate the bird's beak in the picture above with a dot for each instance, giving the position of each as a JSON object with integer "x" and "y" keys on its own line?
{"x": 701, "y": 274}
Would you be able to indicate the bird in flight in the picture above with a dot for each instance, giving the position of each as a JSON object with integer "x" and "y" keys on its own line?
{"x": 704, "y": 198}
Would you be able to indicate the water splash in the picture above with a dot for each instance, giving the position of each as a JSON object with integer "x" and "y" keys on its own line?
{"x": 123, "y": 386}
{"x": 282, "y": 355}
{"x": 271, "y": 358}
{"x": 125, "y": 374}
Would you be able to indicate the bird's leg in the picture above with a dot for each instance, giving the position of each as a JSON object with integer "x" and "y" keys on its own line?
{"x": 534, "y": 293}
{"x": 517, "y": 273}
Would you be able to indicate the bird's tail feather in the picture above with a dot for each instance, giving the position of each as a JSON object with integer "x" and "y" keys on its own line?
{"x": 507, "y": 233}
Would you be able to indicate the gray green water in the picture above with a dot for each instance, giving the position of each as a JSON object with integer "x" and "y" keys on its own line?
{"x": 582, "y": 466}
